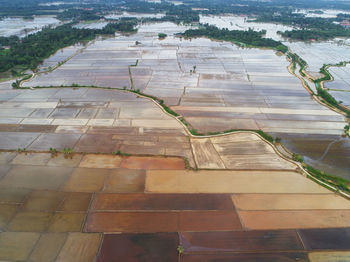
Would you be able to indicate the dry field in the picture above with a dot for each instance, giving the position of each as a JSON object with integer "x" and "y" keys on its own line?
{"x": 111, "y": 208}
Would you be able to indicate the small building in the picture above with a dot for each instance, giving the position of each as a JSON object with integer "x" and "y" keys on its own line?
{"x": 345, "y": 23}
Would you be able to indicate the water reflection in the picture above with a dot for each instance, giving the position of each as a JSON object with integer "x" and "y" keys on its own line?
{"x": 232, "y": 87}
{"x": 21, "y": 27}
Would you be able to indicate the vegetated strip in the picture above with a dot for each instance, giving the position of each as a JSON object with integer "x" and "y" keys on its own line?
{"x": 315, "y": 34}
{"x": 324, "y": 93}
{"x": 297, "y": 60}
{"x": 340, "y": 183}
{"x": 321, "y": 91}
{"x": 337, "y": 182}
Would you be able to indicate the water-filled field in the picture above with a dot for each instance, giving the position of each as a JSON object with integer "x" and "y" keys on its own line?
{"x": 340, "y": 87}
{"x": 216, "y": 86}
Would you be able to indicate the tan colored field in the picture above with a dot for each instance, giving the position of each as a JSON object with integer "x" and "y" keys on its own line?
{"x": 90, "y": 206}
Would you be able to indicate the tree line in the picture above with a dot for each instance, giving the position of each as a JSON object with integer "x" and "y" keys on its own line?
{"x": 249, "y": 38}
{"x": 314, "y": 34}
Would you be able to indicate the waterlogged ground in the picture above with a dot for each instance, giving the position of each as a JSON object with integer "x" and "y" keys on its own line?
{"x": 314, "y": 53}
{"x": 340, "y": 87}
{"x": 20, "y": 27}
{"x": 60, "y": 56}
{"x": 320, "y": 53}
{"x": 231, "y": 88}
{"x": 233, "y": 22}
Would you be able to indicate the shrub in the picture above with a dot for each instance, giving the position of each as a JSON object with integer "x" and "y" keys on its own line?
{"x": 266, "y": 136}
{"x": 162, "y": 35}
{"x": 53, "y": 151}
{"x": 68, "y": 152}
{"x": 119, "y": 153}
{"x": 298, "y": 158}
{"x": 180, "y": 249}
{"x": 21, "y": 150}
{"x": 340, "y": 183}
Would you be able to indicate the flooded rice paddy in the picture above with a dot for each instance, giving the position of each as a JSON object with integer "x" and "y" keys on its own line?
{"x": 320, "y": 53}
{"x": 88, "y": 120}
{"x": 230, "y": 88}
{"x": 340, "y": 86}
{"x": 60, "y": 56}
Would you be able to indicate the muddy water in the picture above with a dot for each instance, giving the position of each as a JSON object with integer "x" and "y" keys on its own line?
{"x": 330, "y": 154}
